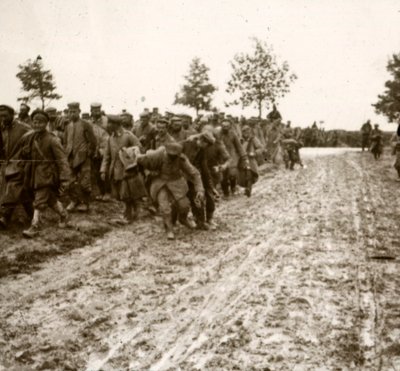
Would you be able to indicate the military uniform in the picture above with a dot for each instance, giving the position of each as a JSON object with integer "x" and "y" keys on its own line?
{"x": 80, "y": 144}
{"x": 365, "y": 135}
{"x": 161, "y": 141}
{"x": 202, "y": 211}
{"x": 125, "y": 186}
{"x": 46, "y": 170}
{"x": 169, "y": 186}
{"x": 376, "y": 142}
{"x": 100, "y": 132}
{"x": 253, "y": 148}
{"x": 145, "y": 132}
{"x": 237, "y": 155}
{"x": 12, "y": 171}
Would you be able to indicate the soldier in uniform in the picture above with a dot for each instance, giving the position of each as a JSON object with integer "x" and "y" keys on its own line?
{"x": 145, "y": 131}
{"x": 23, "y": 115}
{"x": 46, "y": 170}
{"x": 80, "y": 143}
{"x": 237, "y": 157}
{"x": 253, "y": 149}
{"x": 127, "y": 121}
{"x": 11, "y": 132}
{"x": 176, "y": 129}
{"x": 55, "y": 124}
{"x": 195, "y": 150}
{"x": 162, "y": 137}
{"x": 169, "y": 187}
{"x": 274, "y": 114}
{"x": 365, "y": 134}
{"x": 126, "y": 184}
{"x": 217, "y": 158}
{"x": 376, "y": 142}
{"x": 100, "y": 126}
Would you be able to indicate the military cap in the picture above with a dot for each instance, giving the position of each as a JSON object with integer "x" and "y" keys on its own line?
{"x": 245, "y": 128}
{"x": 173, "y": 148}
{"x": 125, "y": 113}
{"x": 208, "y": 137}
{"x": 50, "y": 109}
{"x": 95, "y": 105}
{"x": 145, "y": 114}
{"x": 204, "y": 119}
{"x": 162, "y": 121}
{"x": 40, "y": 112}
{"x": 25, "y": 105}
{"x": 114, "y": 119}
{"x": 176, "y": 119}
{"x": 7, "y": 108}
{"x": 74, "y": 105}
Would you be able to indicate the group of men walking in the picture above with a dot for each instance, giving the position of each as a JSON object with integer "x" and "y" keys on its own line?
{"x": 166, "y": 164}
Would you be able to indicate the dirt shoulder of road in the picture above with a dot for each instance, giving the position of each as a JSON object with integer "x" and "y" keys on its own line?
{"x": 302, "y": 275}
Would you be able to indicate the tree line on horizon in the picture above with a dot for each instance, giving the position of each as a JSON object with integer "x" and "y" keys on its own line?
{"x": 257, "y": 80}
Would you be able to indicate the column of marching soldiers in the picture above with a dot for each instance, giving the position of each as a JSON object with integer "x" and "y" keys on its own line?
{"x": 167, "y": 164}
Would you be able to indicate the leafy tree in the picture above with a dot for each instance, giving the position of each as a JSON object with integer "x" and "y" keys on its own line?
{"x": 389, "y": 102}
{"x": 197, "y": 90}
{"x": 258, "y": 77}
{"x": 36, "y": 82}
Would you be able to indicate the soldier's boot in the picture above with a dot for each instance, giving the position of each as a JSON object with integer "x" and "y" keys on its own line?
{"x": 212, "y": 224}
{"x": 33, "y": 230}
{"x": 59, "y": 209}
{"x": 6, "y": 214}
{"x": 225, "y": 187}
{"x": 174, "y": 215}
{"x": 137, "y": 210}
{"x": 232, "y": 183}
{"x": 183, "y": 219}
{"x": 128, "y": 218}
{"x": 168, "y": 227}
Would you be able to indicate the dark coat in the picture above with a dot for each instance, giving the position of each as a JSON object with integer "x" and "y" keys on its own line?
{"x": 46, "y": 162}
{"x": 111, "y": 163}
{"x": 10, "y": 146}
{"x": 79, "y": 142}
{"x": 171, "y": 173}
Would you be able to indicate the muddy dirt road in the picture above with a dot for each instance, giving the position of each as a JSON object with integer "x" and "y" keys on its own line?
{"x": 305, "y": 275}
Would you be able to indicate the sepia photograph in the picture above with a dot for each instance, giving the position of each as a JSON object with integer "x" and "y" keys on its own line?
{"x": 200, "y": 185}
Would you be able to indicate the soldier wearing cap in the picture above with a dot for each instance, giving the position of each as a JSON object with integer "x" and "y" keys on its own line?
{"x": 56, "y": 124}
{"x": 80, "y": 144}
{"x": 176, "y": 129}
{"x": 126, "y": 182}
{"x": 238, "y": 157}
{"x": 218, "y": 161}
{"x": 195, "y": 149}
{"x": 162, "y": 137}
{"x": 46, "y": 170}
{"x": 100, "y": 126}
{"x": 274, "y": 115}
{"x": 253, "y": 149}
{"x": 127, "y": 120}
{"x": 23, "y": 115}
{"x": 376, "y": 142}
{"x": 145, "y": 131}
{"x": 169, "y": 187}
{"x": 14, "y": 192}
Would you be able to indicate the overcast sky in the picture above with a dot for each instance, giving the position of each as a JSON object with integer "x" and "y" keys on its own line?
{"x": 133, "y": 53}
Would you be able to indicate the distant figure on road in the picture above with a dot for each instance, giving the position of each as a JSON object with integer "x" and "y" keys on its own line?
{"x": 396, "y": 150}
{"x": 376, "y": 142}
{"x": 365, "y": 134}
